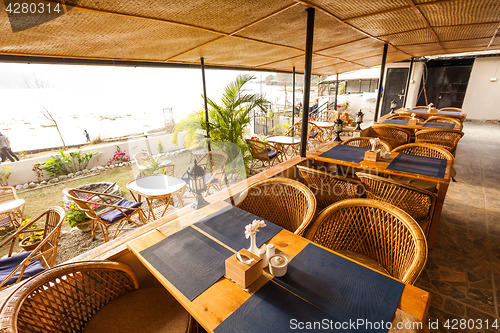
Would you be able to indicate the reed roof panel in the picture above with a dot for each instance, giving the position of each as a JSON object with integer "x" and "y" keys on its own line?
{"x": 253, "y": 34}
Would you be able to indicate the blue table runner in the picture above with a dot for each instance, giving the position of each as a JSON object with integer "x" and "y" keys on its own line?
{"x": 228, "y": 226}
{"x": 272, "y": 309}
{"x": 422, "y": 165}
{"x": 191, "y": 261}
{"x": 439, "y": 125}
{"x": 456, "y": 113}
{"x": 396, "y": 122}
{"x": 346, "y": 153}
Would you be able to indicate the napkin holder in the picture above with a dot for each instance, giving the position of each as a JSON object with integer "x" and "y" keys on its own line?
{"x": 432, "y": 110}
{"x": 372, "y": 155}
{"x": 244, "y": 274}
{"x": 412, "y": 122}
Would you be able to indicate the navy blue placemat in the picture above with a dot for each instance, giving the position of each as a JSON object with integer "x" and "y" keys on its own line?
{"x": 439, "y": 125}
{"x": 450, "y": 112}
{"x": 417, "y": 111}
{"x": 191, "y": 261}
{"x": 342, "y": 288}
{"x": 228, "y": 226}
{"x": 423, "y": 165}
{"x": 346, "y": 153}
{"x": 273, "y": 309}
{"x": 396, "y": 121}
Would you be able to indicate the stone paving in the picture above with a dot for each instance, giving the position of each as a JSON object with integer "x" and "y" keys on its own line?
{"x": 463, "y": 269}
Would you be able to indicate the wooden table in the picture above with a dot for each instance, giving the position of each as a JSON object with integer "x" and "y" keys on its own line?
{"x": 14, "y": 209}
{"x": 285, "y": 143}
{"x": 156, "y": 187}
{"x": 216, "y": 303}
{"x": 380, "y": 167}
{"x": 426, "y": 114}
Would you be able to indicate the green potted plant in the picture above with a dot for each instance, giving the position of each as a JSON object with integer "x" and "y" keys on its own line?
{"x": 31, "y": 241}
{"x": 77, "y": 218}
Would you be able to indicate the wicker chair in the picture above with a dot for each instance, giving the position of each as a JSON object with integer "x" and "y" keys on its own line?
{"x": 91, "y": 296}
{"x": 420, "y": 107}
{"x": 443, "y": 119}
{"x": 264, "y": 152}
{"x": 417, "y": 202}
{"x": 12, "y": 218}
{"x": 214, "y": 163}
{"x": 393, "y": 135}
{"x": 148, "y": 165}
{"x": 447, "y": 139}
{"x": 364, "y": 141}
{"x": 315, "y": 134}
{"x": 283, "y": 201}
{"x": 21, "y": 266}
{"x": 425, "y": 149}
{"x": 375, "y": 231}
{"x": 452, "y": 109}
{"x": 106, "y": 210}
{"x": 329, "y": 188}
{"x": 328, "y": 116}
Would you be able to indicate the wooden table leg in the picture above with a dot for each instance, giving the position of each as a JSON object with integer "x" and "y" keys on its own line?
{"x": 434, "y": 223}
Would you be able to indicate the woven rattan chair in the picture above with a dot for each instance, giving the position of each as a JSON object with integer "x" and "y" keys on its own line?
{"x": 329, "y": 188}
{"x": 149, "y": 165}
{"x": 417, "y": 202}
{"x": 443, "y": 119}
{"x": 214, "y": 163}
{"x": 364, "y": 141}
{"x": 374, "y": 231}
{"x": 91, "y": 296}
{"x": 11, "y": 218}
{"x": 420, "y": 107}
{"x": 315, "y": 134}
{"x": 447, "y": 139}
{"x": 264, "y": 152}
{"x": 452, "y": 109}
{"x": 17, "y": 267}
{"x": 328, "y": 115}
{"x": 283, "y": 201}
{"x": 106, "y": 210}
{"x": 393, "y": 135}
{"x": 425, "y": 149}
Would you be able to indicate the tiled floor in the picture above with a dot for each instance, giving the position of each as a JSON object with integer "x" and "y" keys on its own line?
{"x": 463, "y": 268}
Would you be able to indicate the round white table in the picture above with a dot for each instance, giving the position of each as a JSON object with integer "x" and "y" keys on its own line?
{"x": 14, "y": 209}
{"x": 157, "y": 187}
{"x": 285, "y": 143}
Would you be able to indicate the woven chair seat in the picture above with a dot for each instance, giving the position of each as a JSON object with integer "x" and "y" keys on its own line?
{"x": 159, "y": 312}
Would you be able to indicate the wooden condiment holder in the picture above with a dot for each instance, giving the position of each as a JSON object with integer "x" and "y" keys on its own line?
{"x": 412, "y": 122}
{"x": 372, "y": 155}
{"x": 243, "y": 274}
{"x": 432, "y": 110}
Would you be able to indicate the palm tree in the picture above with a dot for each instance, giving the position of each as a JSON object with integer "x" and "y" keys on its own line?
{"x": 226, "y": 121}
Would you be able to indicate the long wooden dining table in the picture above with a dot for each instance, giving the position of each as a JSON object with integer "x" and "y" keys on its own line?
{"x": 223, "y": 298}
{"x": 383, "y": 167}
{"x": 419, "y": 126}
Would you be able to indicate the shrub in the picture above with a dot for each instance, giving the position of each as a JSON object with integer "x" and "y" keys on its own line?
{"x": 119, "y": 156}
{"x": 67, "y": 163}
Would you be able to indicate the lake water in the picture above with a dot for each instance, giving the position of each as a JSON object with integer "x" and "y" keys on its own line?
{"x": 106, "y": 101}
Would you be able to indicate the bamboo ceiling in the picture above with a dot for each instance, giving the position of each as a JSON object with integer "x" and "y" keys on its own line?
{"x": 266, "y": 34}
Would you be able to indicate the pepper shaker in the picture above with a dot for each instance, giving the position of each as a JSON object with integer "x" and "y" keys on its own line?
{"x": 271, "y": 250}
{"x": 263, "y": 256}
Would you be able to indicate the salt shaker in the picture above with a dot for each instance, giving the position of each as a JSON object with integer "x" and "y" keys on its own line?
{"x": 263, "y": 256}
{"x": 271, "y": 250}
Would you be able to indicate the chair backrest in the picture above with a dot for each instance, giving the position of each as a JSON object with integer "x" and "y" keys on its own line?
{"x": 328, "y": 116}
{"x": 447, "y": 139}
{"x": 64, "y": 298}
{"x": 417, "y": 202}
{"x": 329, "y": 188}
{"x": 259, "y": 149}
{"x": 313, "y": 131}
{"x": 364, "y": 141}
{"x": 393, "y": 135}
{"x": 375, "y": 229}
{"x": 79, "y": 198}
{"x": 54, "y": 217}
{"x": 213, "y": 161}
{"x": 425, "y": 149}
{"x": 452, "y": 109}
{"x": 420, "y": 107}
{"x": 283, "y": 201}
{"x": 7, "y": 193}
{"x": 142, "y": 157}
{"x": 443, "y": 119}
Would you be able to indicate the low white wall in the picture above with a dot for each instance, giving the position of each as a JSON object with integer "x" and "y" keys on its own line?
{"x": 482, "y": 99}
{"x": 22, "y": 171}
